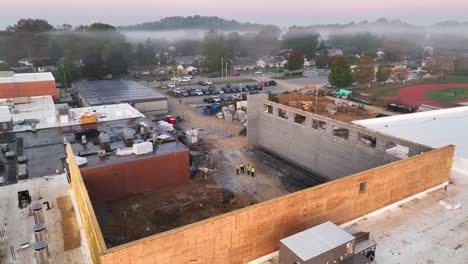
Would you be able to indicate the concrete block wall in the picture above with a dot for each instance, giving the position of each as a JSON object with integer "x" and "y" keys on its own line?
{"x": 317, "y": 149}
{"x": 246, "y": 234}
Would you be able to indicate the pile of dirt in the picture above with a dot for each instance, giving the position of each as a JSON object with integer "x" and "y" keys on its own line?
{"x": 150, "y": 213}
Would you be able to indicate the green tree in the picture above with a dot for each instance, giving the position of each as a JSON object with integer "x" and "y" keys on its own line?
{"x": 364, "y": 71}
{"x": 461, "y": 65}
{"x": 101, "y": 27}
{"x": 214, "y": 48}
{"x": 340, "y": 72}
{"x": 93, "y": 68}
{"x": 66, "y": 72}
{"x": 31, "y": 25}
{"x": 384, "y": 72}
{"x": 295, "y": 60}
{"x": 301, "y": 39}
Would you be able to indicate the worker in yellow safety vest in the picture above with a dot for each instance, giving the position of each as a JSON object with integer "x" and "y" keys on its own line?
{"x": 242, "y": 167}
{"x": 252, "y": 170}
{"x": 237, "y": 169}
{"x": 248, "y": 169}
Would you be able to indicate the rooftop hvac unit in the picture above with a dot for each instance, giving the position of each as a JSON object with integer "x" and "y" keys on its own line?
{"x": 102, "y": 154}
{"x": 63, "y": 109}
{"x": 41, "y": 252}
{"x": 38, "y": 213}
{"x": 104, "y": 141}
{"x": 22, "y": 171}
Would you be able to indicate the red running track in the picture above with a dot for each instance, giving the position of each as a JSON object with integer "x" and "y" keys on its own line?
{"x": 416, "y": 95}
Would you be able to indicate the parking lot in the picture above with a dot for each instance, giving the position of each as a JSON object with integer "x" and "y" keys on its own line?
{"x": 282, "y": 86}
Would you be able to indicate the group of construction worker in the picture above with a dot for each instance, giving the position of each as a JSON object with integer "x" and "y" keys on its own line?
{"x": 242, "y": 168}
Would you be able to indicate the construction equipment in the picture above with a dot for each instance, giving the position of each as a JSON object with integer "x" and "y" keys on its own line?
{"x": 342, "y": 93}
{"x": 88, "y": 118}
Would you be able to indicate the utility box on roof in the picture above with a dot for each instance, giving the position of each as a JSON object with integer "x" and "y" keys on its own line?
{"x": 322, "y": 244}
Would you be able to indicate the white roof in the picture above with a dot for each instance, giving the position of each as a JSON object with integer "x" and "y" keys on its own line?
{"x": 42, "y": 109}
{"x": 436, "y": 128}
{"x": 28, "y": 77}
{"x": 317, "y": 240}
{"x": 5, "y": 114}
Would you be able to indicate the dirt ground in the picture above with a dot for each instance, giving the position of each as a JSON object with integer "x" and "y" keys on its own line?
{"x": 165, "y": 209}
{"x": 344, "y": 114}
{"x": 221, "y": 190}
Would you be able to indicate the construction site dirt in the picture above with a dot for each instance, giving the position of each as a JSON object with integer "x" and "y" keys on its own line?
{"x": 218, "y": 190}
{"x": 330, "y": 107}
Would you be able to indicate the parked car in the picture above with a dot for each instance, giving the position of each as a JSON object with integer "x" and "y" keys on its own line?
{"x": 270, "y": 83}
{"x": 198, "y": 92}
{"x": 205, "y": 82}
{"x": 185, "y": 80}
{"x": 235, "y": 74}
{"x": 163, "y": 79}
{"x": 235, "y": 89}
{"x": 171, "y": 85}
{"x": 328, "y": 86}
{"x": 206, "y": 91}
{"x": 226, "y": 90}
{"x": 176, "y": 79}
{"x": 220, "y": 91}
{"x": 185, "y": 94}
{"x": 258, "y": 72}
{"x": 188, "y": 77}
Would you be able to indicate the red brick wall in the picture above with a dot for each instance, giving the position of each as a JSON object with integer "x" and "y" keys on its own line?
{"x": 120, "y": 180}
{"x": 20, "y": 89}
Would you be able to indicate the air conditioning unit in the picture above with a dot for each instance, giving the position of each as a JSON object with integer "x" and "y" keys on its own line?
{"x": 102, "y": 154}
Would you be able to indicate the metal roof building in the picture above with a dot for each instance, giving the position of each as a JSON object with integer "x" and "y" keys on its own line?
{"x": 319, "y": 244}
{"x": 104, "y": 92}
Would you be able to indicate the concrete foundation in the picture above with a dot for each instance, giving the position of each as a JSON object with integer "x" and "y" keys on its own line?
{"x": 329, "y": 148}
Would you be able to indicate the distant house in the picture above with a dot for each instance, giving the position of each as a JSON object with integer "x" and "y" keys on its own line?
{"x": 309, "y": 63}
{"x": 380, "y": 55}
{"x": 271, "y": 62}
{"x": 243, "y": 65}
{"x": 184, "y": 60}
{"x": 191, "y": 70}
{"x": 334, "y": 52}
{"x": 39, "y": 64}
{"x": 138, "y": 71}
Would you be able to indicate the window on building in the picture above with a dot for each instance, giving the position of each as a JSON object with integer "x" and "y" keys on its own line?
{"x": 268, "y": 108}
{"x": 317, "y": 124}
{"x": 300, "y": 119}
{"x": 367, "y": 140}
{"x": 341, "y": 132}
{"x": 362, "y": 187}
{"x": 282, "y": 113}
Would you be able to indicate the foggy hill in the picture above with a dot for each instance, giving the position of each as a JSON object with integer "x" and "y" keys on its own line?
{"x": 192, "y": 22}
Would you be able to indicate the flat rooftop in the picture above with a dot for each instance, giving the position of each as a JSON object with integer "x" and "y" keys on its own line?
{"x": 436, "y": 128}
{"x": 114, "y": 91}
{"x": 45, "y": 151}
{"x": 28, "y": 77}
{"x": 42, "y": 110}
{"x": 63, "y": 232}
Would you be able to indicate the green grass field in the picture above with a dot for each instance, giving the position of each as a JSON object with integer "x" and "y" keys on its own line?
{"x": 288, "y": 77}
{"x": 392, "y": 91}
{"x": 446, "y": 96}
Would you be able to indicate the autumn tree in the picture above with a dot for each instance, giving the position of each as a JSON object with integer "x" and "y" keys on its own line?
{"x": 340, "y": 72}
{"x": 401, "y": 74}
{"x": 364, "y": 71}
{"x": 384, "y": 72}
{"x": 295, "y": 60}
{"x": 439, "y": 67}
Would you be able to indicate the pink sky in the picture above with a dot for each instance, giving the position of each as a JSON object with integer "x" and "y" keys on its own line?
{"x": 280, "y": 12}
